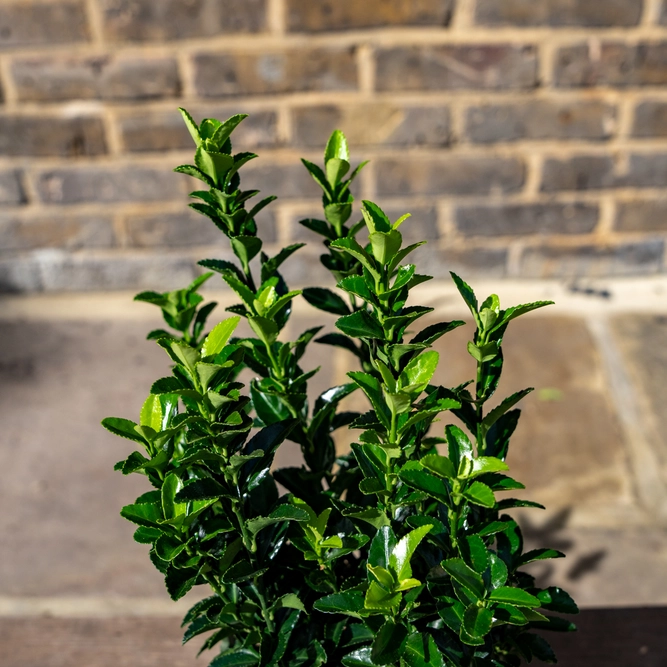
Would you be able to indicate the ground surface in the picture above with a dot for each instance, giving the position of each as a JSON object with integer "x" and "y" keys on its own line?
{"x": 76, "y": 590}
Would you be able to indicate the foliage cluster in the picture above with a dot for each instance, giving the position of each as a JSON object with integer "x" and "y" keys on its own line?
{"x": 397, "y": 553}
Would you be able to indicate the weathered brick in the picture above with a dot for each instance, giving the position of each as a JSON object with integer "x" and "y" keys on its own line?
{"x": 585, "y": 13}
{"x": 378, "y": 123}
{"x": 71, "y": 185}
{"x": 148, "y": 20}
{"x": 450, "y": 175}
{"x": 612, "y": 64}
{"x": 308, "y": 16}
{"x": 541, "y": 119}
{"x": 28, "y": 23}
{"x": 641, "y": 216}
{"x": 71, "y": 232}
{"x": 11, "y": 188}
{"x": 61, "y": 271}
{"x": 286, "y": 71}
{"x": 164, "y": 131}
{"x": 596, "y": 172}
{"x": 626, "y": 259}
{"x": 526, "y": 219}
{"x": 650, "y": 119}
{"x": 467, "y": 262}
{"x": 185, "y": 229}
{"x": 452, "y": 67}
{"x": 582, "y": 172}
{"x": 51, "y": 136}
{"x": 103, "y": 77}
{"x": 287, "y": 180}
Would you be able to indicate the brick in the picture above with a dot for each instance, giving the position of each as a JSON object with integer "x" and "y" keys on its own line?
{"x": 104, "y": 77}
{"x": 308, "y": 16}
{"x": 612, "y": 64}
{"x": 63, "y": 272}
{"x": 288, "y": 181}
{"x": 650, "y": 119}
{"x": 11, "y": 188}
{"x": 526, "y": 219}
{"x": 36, "y": 23}
{"x": 451, "y": 175}
{"x": 596, "y": 172}
{"x": 271, "y": 72}
{"x": 383, "y": 124}
{"x": 644, "y": 257}
{"x": 467, "y": 262}
{"x": 42, "y": 136}
{"x": 185, "y": 229}
{"x": 71, "y": 232}
{"x": 556, "y": 13}
{"x": 148, "y": 20}
{"x": 541, "y": 119}
{"x": 587, "y": 172}
{"x": 455, "y": 67}
{"x": 165, "y": 131}
{"x": 71, "y": 185}
{"x": 641, "y": 216}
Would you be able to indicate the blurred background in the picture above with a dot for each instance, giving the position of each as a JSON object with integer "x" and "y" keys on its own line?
{"x": 528, "y": 138}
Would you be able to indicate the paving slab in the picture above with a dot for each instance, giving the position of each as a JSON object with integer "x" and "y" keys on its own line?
{"x": 568, "y": 448}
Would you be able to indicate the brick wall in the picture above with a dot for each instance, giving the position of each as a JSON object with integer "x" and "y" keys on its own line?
{"x": 527, "y": 137}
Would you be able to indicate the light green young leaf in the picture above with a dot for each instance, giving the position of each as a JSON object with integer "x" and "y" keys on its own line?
{"x": 151, "y": 413}
{"x": 220, "y": 334}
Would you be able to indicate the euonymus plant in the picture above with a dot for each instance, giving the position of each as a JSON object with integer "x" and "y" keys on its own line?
{"x": 399, "y": 552}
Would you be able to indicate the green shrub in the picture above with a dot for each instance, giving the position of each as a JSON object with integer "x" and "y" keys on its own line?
{"x": 391, "y": 554}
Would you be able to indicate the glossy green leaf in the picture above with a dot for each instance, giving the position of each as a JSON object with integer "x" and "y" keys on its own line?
{"x": 350, "y": 603}
{"x": 538, "y": 554}
{"x": 515, "y": 596}
{"x": 467, "y": 293}
{"x": 413, "y": 475}
{"x": 200, "y": 489}
{"x": 281, "y": 513}
{"x": 440, "y": 465}
{"x": 193, "y": 128}
{"x": 556, "y": 599}
{"x": 465, "y": 575}
{"x": 422, "y": 651}
{"x": 375, "y": 218}
{"x": 389, "y": 643}
{"x": 336, "y": 147}
{"x": 170, "y": 487}
{"x": 402, "y": 553}
{"x": 243, "y": 657}
{"x": 359, "y": 658}
{"x": 487, "y": 464}
{"x": 220, "y": 334}
{"x": 418, "y": 373}
{"x": 360, "y": 324}
{"x": 477, "y": 620}
{"x": 476, "y": 553}
{"x": 431, "y": 333}
{"x": 459, "y": 444}
{"x": 385, "y": 245}
{"x": 151, "y": 413}
{"x": 498, "y": 571}
{"x": 124, "y": 428}
{"x": 325, "y": 300}
{"x": 480, "y": 494}
{"x": 508, "y": 403}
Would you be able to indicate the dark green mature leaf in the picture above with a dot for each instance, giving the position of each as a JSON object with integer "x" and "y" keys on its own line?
{"x": 123, "y": 427}
{"x": 538, "y": 554}
{"x": 389, "y": 643}
{"x": 200, "y": 489}
{"x": 558, "y": 600}
{"x": 431, "y": 333}
{"x": 325, "y": 300}
{"x": 180, "y": 581}
{"x": 360, "y": 324}
{"x": 350, "y": 603}
{"x": 465, "y": 575}
{"x": 281, "y": 513}
{"x": 508, "y": 403}
{"x": 467, "y": 293}
{"x": 422, "y": 651}
{"x": 359, "y": 658}
{"x": 477, "y": 620}
{"x": 243, "y": 657}
{"x": 459, "y": 444}
{"x": 534, "y": 646}
{"x": 413, "y": 475}
{"x": 514, "y": 596}
{"x": 475, "y": 553}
